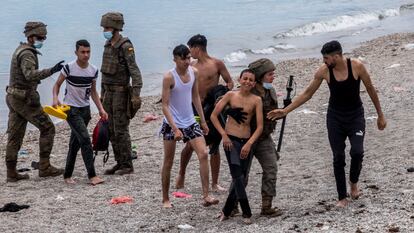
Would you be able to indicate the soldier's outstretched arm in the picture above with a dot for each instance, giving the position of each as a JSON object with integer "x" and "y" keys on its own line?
{"x": 28, "y": 67}
{"x": 129, "y": 53}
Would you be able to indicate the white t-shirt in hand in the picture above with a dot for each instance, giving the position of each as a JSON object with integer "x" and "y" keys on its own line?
{"x": 78, "y": 83}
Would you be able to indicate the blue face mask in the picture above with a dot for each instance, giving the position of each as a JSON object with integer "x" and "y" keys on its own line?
{"x": 38, "y": 44}
{"x": 267, "y": 85}
{"x": 107, "y": 35}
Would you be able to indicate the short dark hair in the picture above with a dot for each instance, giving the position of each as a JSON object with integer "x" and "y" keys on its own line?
{"x": 83, "y": 43}
{"x": 247, "y": 71}
{"x": 181, "y": 51}
{"x": 198, "y": 41}
{"x": 331, "y": 47}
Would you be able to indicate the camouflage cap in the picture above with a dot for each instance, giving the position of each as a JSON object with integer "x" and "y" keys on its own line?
{"x": 35, "y": 28}
{"x": 261, "y": 67}
{"x": 113, "y": 20}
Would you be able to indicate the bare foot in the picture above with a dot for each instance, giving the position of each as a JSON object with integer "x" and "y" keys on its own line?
{"x": 208, "y": 201}
{"x": 342, "y": 203}
{"x": 223, "y": 217}
{"x": 96, "y": 180}
{"x": 355, "y": 192}
{"x": 246, "y": 221}
{"x": 69, "y": 181}
{"x": 167, "y": 204}
{"x": 179, "y": 182}
{"x": 217, "y": 188}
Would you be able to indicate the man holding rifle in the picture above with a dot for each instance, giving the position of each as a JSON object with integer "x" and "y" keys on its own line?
{"x": 345, "y": 117}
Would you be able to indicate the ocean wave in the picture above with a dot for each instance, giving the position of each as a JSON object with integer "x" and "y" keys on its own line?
{"x": 235, "y": 56}
{"x": 273, "y": 49}
{"x": 242, "y": 54}
{"x": 339, "y": 23}
{"x": 407, "y": 7}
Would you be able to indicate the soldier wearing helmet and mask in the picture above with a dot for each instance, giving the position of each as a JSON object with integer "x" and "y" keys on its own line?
{"x": 121, "y": 100}
{"x": 23, "y": 101}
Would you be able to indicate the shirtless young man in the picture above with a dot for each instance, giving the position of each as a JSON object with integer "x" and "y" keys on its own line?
{"x": 179, "y": 92}
{"x": 238, "y": 140}
{"x": 345, "y": 117}
{"x": 209, "y": 71}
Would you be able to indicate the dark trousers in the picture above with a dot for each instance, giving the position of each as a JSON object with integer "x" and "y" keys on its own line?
{"x": 78, "y": 119}
{"x": 341, "y": 125}
{"x": 239, "y": 170}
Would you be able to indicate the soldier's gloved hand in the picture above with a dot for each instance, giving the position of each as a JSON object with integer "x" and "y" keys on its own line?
{"x": 57, "y": 67}
{"x": 237, "y": 114}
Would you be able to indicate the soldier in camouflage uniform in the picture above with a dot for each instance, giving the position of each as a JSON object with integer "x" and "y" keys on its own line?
{"x": 24, "y": 103}
{"x": 264, "y": 150}
{"x": 120, "y": 101}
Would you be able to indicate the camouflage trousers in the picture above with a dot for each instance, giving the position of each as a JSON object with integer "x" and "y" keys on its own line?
{"x": 265, "y": 152}
{"x": 21, "y": 111}
{"x": 115, "y": 104}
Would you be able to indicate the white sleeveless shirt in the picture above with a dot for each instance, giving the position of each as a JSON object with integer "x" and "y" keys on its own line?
{"x": 181, "y": 100}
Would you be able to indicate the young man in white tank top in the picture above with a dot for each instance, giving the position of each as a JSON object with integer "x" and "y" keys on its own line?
{"x": 179, "y": 92}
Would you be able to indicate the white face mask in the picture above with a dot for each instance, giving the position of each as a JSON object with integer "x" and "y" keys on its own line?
{"x": 267, "y": 85}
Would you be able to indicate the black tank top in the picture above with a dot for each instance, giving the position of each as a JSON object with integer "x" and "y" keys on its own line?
{"x": 344, "y": 94}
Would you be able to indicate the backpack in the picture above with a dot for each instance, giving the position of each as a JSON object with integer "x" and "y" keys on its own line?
{"x": 100, "y": 139}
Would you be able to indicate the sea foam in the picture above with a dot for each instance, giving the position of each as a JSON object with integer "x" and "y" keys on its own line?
{"x": 339, "y": 23}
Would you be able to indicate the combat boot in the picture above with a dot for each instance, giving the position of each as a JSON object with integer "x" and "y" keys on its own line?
{"x": 267, "y": 209}
{"x": 46, "y": 169}
{"x": 125, "y": 169}
{"x": 112, "y": 170}
{"x": 12, "y": 174}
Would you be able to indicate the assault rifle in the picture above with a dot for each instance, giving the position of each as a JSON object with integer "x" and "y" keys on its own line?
{"x": 286, "y": 102}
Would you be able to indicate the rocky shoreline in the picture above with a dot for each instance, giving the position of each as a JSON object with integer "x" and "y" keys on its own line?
{"x": 305, "y": 186}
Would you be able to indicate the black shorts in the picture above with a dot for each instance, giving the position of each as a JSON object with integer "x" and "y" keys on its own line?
{"x": 189, "y": 133}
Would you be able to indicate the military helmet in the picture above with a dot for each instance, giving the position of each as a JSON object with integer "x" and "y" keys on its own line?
{"x": 35, "y": 29}
{"x": 113, "y": 20}
{"x": 261, "y": 67}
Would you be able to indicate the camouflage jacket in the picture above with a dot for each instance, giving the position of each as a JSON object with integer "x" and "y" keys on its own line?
{"x": 269, "y": 100}
{"x": 118, "y": 65}
{"x": 24, "y": 73}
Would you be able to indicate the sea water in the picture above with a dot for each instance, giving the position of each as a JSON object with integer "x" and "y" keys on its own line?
{"x": 238, "y": 31}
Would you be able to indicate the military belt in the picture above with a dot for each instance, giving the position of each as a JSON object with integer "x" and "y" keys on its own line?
{"x": 115, "y": 88}
{"x": 18, "y": 91}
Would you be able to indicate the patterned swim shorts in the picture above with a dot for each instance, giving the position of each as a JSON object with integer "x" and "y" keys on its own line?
{"x": 189, "y": 133}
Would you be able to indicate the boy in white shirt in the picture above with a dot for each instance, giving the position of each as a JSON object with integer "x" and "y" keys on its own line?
{"x": 80, "y": 79}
